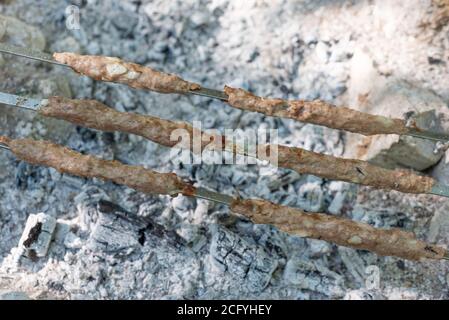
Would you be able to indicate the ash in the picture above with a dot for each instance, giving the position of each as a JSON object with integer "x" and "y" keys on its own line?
{"x": 111, "y": 242}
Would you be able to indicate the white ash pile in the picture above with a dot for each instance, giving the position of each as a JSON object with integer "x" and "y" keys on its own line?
{"x": 157, "y": 247}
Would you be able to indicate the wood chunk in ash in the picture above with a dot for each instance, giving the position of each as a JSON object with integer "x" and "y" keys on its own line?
{"x": 37, "y": 235}
{"x": 121, "y": 232}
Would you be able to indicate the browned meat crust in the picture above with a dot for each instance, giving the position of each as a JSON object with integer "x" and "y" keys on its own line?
{"x": 134, "y": 75}
{"x": 393, "y": 242}
{"x": 316, "y": 112}
{"x": 93, "y": 114}
{"x": 96, "y": 115}
{"x": 68, "y": 161}
{"x": 352, "y": 170}
{"x": 344, "y": 232}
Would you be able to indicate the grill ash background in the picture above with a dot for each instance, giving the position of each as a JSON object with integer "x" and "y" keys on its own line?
{"x": 185, "y": 248}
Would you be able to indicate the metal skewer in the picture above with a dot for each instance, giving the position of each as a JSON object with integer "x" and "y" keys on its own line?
{"x": 2, "y": 146}
{"x": 29, "y": 53}
{"x": 393, "y": 242}
{"x": 213, "y": 196}
{"x": 46, "y": 57}
{"x": 200, "y": 192}
{"x": 205, "y": 92}
{"x": 36, "y": 104}
{"x": 440, "y": 190}
{"x": 21, "y": 102}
